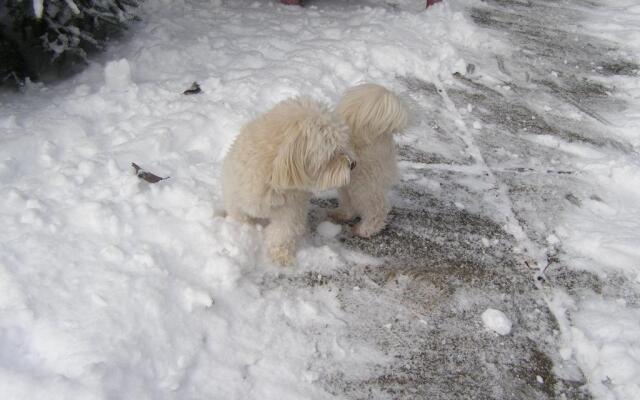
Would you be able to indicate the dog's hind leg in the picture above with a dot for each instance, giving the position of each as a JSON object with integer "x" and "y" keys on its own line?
{"x": 344, "y": 212}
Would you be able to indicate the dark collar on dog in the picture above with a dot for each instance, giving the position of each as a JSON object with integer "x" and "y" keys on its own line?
{"x": 352, "y": 163}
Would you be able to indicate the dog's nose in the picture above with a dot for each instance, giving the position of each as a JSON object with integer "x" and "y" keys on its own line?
{"x": 352, "y": 165}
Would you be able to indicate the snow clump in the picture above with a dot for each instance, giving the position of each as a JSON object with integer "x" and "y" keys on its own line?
{"x": 496, "y": 321}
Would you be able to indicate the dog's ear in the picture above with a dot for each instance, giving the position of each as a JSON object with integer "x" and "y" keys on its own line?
{"x": 289, "y": 170}
{"x": 336, "y": 174}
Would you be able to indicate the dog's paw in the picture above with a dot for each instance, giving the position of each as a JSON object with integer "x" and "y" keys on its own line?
{"x": 366, "y": 230}
{"x": 339, "y": 216}
{"x": 282, "y": 255}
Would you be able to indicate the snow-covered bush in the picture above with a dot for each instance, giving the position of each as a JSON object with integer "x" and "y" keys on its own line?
{"x": 42, "y": 38}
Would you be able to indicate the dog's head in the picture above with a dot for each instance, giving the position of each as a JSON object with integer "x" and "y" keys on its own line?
{"x": 372, "y": 111}
{"x": 314, "y": 153}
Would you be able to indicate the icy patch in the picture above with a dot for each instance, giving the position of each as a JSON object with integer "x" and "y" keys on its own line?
{"x": 577, "y": 149}
{"x": 496, "y": 321}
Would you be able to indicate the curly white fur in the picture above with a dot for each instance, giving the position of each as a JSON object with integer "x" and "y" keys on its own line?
{"x": 373, "y": 115}
{"x": 276, "y": 161}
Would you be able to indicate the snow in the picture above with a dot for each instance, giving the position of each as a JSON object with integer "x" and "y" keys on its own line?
{"x": 329, "y": 229}
{"x": 73, "y": 6}
{"x": 111, "y": 287}
{"x": 117, "y": 75}
{"x": 38, "y": 8}
{"x": 496, "y": 321}
{"x": 605, "y": 228}
{"x": 604, "y": 337}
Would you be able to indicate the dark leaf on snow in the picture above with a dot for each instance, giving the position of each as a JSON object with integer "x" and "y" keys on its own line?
{"x": 145, "y": 175}
{"x": 194, "y": 89}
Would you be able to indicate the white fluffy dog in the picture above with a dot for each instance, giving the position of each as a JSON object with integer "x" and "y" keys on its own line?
{"x": 277, "y": 160}
{"x": 373, "y": 115}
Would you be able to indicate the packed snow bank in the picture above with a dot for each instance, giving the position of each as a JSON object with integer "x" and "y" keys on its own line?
{"x": 603, "y": 336}
{"x": 602, "y": 235}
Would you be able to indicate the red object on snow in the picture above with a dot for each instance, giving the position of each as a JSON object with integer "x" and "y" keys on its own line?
{"x": 297, "y": 2}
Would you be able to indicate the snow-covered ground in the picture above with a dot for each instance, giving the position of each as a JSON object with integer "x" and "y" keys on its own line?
{"x": 111, "y": 287}
{"x": 602, "y": 236}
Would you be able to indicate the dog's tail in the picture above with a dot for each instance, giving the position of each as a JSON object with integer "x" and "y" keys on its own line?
{"x": 371, "y": 111}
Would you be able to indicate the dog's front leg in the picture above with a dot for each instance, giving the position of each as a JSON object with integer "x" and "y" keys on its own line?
{"x": 373, "y": 209}
{"x": 344, "y": 212}
{"x": 288, "y": 225}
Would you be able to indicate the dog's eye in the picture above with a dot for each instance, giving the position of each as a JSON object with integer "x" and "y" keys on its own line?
{"x": 352, "y": 165}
